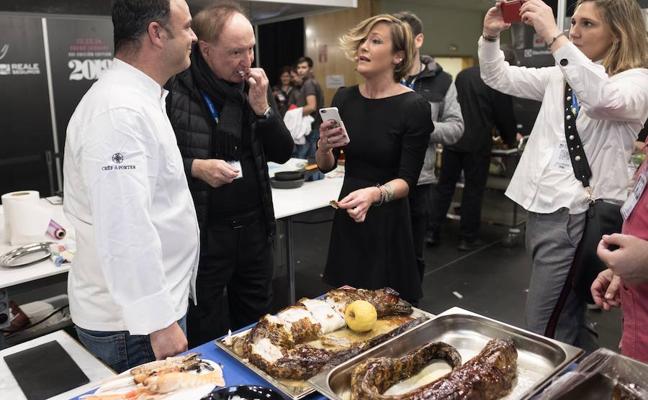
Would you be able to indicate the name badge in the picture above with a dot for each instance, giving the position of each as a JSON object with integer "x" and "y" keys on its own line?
{"x": 635, "y": 195}
{"x": 237, "y": 166}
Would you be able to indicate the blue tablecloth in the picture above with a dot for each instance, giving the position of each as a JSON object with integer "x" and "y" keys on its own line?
{"x": 234, "y": 372}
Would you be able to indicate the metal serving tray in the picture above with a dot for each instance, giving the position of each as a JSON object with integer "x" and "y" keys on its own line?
{"x": 294, "y": 389}
{"x": 539, "y": 358}
{"x": 597, "y": 376}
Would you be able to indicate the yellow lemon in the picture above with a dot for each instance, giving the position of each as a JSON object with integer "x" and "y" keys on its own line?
{"x": 360, "y": 316}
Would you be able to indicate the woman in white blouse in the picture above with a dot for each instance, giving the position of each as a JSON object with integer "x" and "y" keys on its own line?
{"x": 604, "y": 60}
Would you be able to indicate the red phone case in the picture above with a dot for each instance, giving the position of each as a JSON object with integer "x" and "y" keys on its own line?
{"x": 511, "y": 11}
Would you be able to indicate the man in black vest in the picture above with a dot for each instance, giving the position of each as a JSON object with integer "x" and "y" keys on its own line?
{"x": 429, "y": 80}
{"x": 228, "y": 127}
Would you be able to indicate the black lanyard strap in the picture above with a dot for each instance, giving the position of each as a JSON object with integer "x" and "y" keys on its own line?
{"x": 579, "y": 162}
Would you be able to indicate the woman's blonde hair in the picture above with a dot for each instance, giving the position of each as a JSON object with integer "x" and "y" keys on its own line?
{"x": 630, "y": 46}
{"x": 401, "y": 35}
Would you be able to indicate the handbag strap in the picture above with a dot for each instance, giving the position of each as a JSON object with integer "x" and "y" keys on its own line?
{"x": 579, "y": 161}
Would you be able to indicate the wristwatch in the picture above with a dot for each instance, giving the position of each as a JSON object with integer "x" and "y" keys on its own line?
{"x": 266, "y": 114}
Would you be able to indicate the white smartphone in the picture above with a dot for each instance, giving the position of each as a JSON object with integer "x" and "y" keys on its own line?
{"x": 328, "y": 113}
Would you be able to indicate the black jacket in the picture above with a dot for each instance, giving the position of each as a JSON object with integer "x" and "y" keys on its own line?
{"x": 194, "y": 127}
{"x": 483, "y": 108}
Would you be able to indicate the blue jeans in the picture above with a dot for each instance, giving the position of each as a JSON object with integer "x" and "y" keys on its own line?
{"x": 119, "y": 349}
{"x": 308, "y": 149}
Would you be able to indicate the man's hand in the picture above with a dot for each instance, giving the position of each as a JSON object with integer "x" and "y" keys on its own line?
{"x": 629, "y": 261}
{"x": 168, "y": 342}
{"x": 605, "y": 290}
{"x": 258, "y": 93}
{"x": 493, "y": 22}
{"x": 215, "y": 172}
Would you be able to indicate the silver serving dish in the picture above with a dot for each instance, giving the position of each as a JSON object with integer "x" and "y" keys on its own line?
{"x": 539, "y": 358}
{"x": 26, "y": 255}
{"x": 293, "y": 389}
{"x": 597, "y": 377}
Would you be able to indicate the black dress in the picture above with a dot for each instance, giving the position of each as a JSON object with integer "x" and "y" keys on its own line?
{"x": 389, "y": 137}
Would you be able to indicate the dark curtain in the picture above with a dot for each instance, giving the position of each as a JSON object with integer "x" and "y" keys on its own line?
{"x": 280, "y": 43}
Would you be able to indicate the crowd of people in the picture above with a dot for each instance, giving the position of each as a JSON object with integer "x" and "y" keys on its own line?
{"x": 167, "y": 185}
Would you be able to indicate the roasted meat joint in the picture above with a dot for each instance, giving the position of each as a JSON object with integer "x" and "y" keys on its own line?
{"x": 487, "y": 376}
{"x": 300, "y": 340}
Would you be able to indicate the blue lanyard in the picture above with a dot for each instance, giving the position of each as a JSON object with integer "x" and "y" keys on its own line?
{"x": 210, "y": 105}
{"x": 575, "y": 108}
{"x": 410, "y": 84}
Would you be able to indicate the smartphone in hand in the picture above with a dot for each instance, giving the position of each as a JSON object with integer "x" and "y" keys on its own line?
{"x": 511, "y": 11}
{"x": 332, "y": 113}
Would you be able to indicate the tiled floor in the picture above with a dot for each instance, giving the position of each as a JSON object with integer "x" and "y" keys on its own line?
{"x": 491, "y": 281}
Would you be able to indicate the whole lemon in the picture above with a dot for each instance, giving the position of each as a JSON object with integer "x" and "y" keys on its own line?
{"x": 360, "y": 316}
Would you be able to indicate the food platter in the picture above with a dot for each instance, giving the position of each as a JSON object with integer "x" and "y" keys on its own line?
{"x": 539, "y": 359}
{"x": 190, "y": 385}
{"x": 297, "y": 389}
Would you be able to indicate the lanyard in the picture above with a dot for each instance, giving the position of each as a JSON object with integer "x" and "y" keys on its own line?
{"x": 575, "y": 106}
{"x": 210, "y": 105}
{"x": 408, "y": 84}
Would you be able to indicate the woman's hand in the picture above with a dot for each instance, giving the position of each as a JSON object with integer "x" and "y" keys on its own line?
{"x": 605, "y": 290}
{"x": 332, "y": 135}
{"x": 538, "y": 14}
{"x": 493, "y": 22}
{"x": 357, "y": 203}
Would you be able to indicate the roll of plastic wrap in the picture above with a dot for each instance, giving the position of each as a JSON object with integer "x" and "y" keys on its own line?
{"x": 26, "y": 220}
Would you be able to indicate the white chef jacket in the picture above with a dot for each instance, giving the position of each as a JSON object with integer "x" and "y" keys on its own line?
{"x": 127, "y": 197}
{"x": 612, "y": 112}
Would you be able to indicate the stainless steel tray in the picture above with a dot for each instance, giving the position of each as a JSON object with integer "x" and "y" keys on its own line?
{"x": 539, "y": 358}
{"x": 596, "y": 378}
{"x": 293, "y": 389}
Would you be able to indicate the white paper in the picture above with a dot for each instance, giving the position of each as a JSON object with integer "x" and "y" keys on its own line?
{"x": 26, "y": 220}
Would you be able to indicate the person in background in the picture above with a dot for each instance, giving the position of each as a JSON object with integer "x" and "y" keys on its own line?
{"x": 428, "y": 79}
{"x": 228, "y": 127}
{"x": 311, "y": 99}
{"x": 483, "y": 109}
{"x": 127, "y": 197}
{"x": 295, "y": 97}
{"x": 281, "y": 91}
{"x": 603, "y": 61}
{"x": 386, "y": 130}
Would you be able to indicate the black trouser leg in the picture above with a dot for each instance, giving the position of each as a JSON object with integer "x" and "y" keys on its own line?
{"x": 448, "y": 178}
{"x": 419, "y": 211}
{"x": 209, "y": 319}
{"x": 475, "y": 168}
{"x": 250, "y": 289}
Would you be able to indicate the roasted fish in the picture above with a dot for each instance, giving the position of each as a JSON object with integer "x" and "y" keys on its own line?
{"x": 373, "y": 377}
{"x": 487, "y": 376}
{"x": 278, "y": 344}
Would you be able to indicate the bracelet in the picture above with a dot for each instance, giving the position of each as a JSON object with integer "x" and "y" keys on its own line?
{"x": 382, "y": 196}
{"x": 490, "y": 38}
{"x": 555, "y": 38}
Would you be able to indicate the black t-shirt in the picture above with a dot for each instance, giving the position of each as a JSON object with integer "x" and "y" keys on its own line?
{"x": 310, "y": 87}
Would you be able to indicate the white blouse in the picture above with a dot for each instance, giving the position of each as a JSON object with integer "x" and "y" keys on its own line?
{"x": 612, "y": 112}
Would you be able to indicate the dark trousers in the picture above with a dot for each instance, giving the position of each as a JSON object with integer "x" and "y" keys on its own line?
{"x": 419, "y": 201}
{"x": 475, "y": 167}
{"x": 234, "y": 285}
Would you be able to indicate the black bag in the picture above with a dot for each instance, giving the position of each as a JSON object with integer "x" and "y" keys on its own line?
{"x": 602, "y": 218}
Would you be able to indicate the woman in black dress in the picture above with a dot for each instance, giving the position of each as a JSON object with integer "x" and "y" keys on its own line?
{"x": 384, "y": 137}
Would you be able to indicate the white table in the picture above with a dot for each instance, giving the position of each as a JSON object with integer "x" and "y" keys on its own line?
{"x": 94, "y": 369}
{"x": 16, "y": 276}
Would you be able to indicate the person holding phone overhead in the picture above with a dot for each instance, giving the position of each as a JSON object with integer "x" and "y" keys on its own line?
{"x": 594, "y": 102}
{"x": 384, "y": 135}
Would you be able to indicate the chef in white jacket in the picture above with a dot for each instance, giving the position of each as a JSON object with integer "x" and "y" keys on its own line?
{"x": 126, "y": 195}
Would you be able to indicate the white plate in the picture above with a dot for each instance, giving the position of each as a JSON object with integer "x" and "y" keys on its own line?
{"x": 194, "y": 393}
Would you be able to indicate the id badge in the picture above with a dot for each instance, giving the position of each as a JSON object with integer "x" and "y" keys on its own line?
{"x": 237, "y": 165}
{"x": 561, "y": 158}
{"x": 635, "y": 195}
